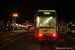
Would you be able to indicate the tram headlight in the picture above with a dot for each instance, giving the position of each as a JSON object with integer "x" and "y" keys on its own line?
{"x": 38, "y": 19}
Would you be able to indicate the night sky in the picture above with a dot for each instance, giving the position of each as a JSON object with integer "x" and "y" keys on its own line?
{"x": 25, "y": 10}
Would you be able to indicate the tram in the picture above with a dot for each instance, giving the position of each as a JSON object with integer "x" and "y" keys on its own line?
{"x": 46, "y": 25}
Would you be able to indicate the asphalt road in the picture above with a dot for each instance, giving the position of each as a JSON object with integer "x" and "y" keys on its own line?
{"x": 6, "y": 36}
{"x": 21, "y": 42}
{"x": 11, "y": 32}
{"x": 28, "y": 42}
{"x": 72, "y": 36}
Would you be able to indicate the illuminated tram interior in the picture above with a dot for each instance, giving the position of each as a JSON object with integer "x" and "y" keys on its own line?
{"x": 45, "y": 21}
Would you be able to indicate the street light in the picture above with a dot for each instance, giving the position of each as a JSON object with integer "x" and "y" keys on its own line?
{"x": 15, "y": 15}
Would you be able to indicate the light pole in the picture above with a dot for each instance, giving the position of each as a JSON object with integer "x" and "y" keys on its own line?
{"x": 14, "y": 19}
{"x": 15, "y": 15}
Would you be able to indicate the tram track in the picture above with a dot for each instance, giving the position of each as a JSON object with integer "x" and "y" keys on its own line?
{"x": 53, "y": 45}
{"x": 47, "y": 45}
{"x": 10, "y": 41}
{"x": 13, "y": 39}
{"x": 61, "y": 46}
{"x": 67, "y": 43}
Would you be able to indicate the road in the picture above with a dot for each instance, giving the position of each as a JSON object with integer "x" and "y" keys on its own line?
{"x": 28, "y": 42}
{"x": 5, "y": 36}
{"x": 11, "y": 32}
{"x": 72, "y": 36}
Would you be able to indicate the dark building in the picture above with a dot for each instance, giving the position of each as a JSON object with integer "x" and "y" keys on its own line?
{"x": 2, "y": 22}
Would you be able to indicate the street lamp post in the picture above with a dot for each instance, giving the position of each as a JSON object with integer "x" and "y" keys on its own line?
{"x": 15, "y": 15}
{"x": 14, "y": 18}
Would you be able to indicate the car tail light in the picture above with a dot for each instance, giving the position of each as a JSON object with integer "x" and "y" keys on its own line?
{"x": 54, "y": 34}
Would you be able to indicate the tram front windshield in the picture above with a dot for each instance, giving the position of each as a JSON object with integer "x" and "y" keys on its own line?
{"x": 45, "y": 21}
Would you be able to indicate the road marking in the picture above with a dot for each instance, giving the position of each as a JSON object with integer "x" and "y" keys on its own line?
{"x": 71, "y": 37}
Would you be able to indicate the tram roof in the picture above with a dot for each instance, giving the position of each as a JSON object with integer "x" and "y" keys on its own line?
{"x": 47, "y": 10}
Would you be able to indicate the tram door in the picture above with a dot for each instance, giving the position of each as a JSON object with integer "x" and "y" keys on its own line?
{"x": 62, "y": 29}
